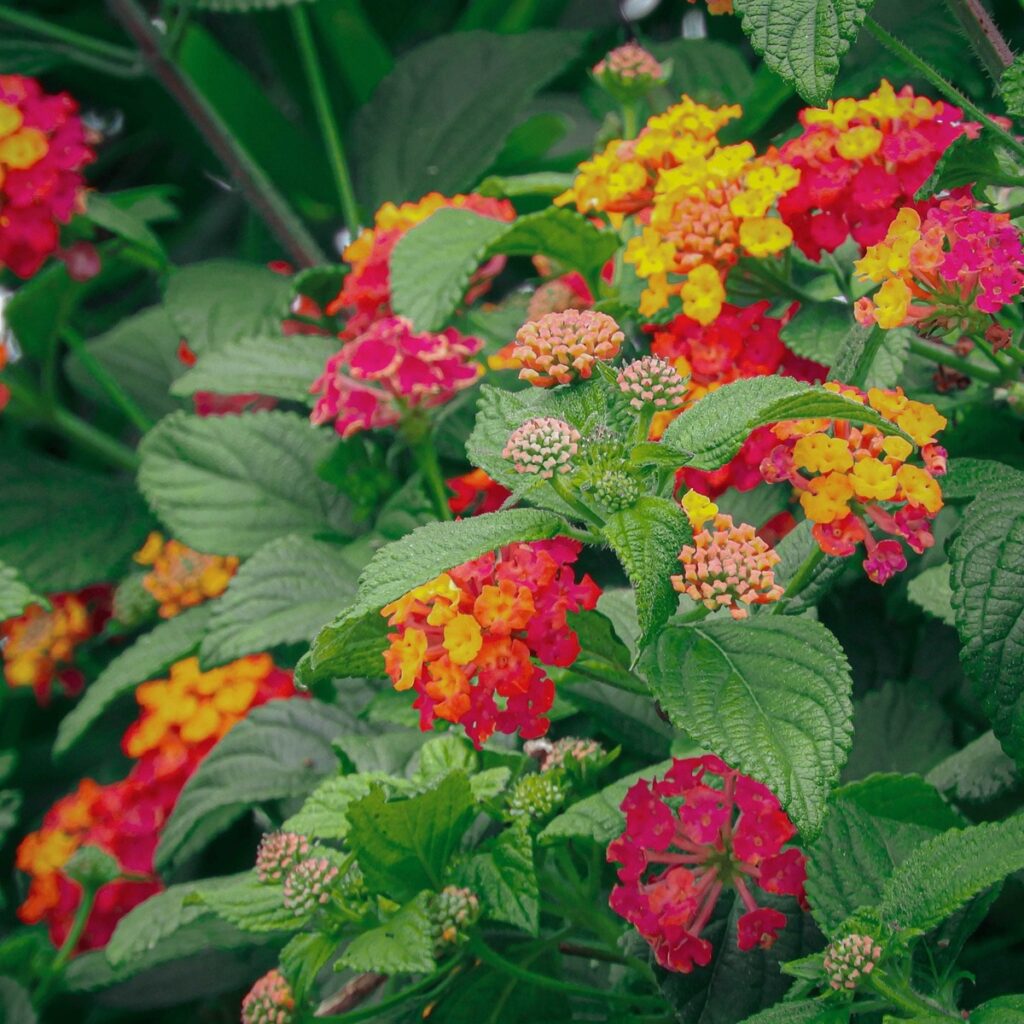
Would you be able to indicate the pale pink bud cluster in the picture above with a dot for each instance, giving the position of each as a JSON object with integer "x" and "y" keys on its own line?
{"x": 561, "y": 347}
{"x": 847, "y": 960}
{"x": 278, "y": 853}
{"x": 306, "y": 886}
{"x": 269, "y": 1001}
{"x": 630, "y": 61}
{"x": 570, "y": 747}
{"x": 652, "y": 381}
{"x": 543, "y": 445}
{"x": 728, "y": 567}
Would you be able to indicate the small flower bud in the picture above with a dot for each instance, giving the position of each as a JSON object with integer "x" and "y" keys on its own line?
{"x": 616, "y": 490}
{"x": 452, "y": 911}
{"x": 629, "y": 71}
{"x": 269, "y": 1001}
{"x": 133, "y": 603}
{"x": 307, "y": 885}
{"x": 652, "y": 382}
{"x": 544, "y": 445}
{"x": 848, "y": 959}
{"x": 569, "y": 747}
{"x": 278, "y": 853}
{"x": 535, "y": 798}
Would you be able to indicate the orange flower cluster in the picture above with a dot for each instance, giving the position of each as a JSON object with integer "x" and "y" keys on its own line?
{"x": 855, "y": 472}
{"x": 182, "y": 717}
{"x": 181, "y": 578}
{"x": 698, "y": 205}
{"x": 39, "y": 645}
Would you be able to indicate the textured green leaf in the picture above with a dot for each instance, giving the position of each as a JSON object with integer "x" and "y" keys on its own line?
{"x": 967, "y": 478}
{"x": 218, "y": 301}
{"x": 229, "y": 484}
{"x": 987, "y": 558}
{"x": 817, "y": 330}
{"x": 325, "y": 812}
{"x": 350, "y": 647}
{"x": 978, "y": 772}
{"x": 770, "y": 695}
{"x": 151, "y": 654}
{"x": 250, "y": 905}
{"x": 504, "y": 877}
{"x": 283, "y": 594}
{"x": 441, "y": 117}
{"x": 279, "y": 751}
{"x": 15, "y": 1003}
{"x": 980, "y": 161}
{"x": 1011, "y": 88}
{"x": 631, "y": 719}
{"x": 930, "y": 590}
{"x": 941, "y": 875}
{"x": 403, "y": 944}
{"x": 1001, "y": 1010}
{"x": 647, "y": 539}
{"x": 303, "y": 957}
{"x": 260, "y": 364}
{"x": 802, "y": 40}
{"x": 15, "y": 597}
{"x": 712, "y": 431}
{"x": 403, "y": 846}
{"x": 802, "y": 1011}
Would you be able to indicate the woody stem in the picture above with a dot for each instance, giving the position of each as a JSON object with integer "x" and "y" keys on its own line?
{"x": 940, "y": 355}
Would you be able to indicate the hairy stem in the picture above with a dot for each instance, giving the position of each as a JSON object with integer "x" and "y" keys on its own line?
{"x": 984, "y": 36}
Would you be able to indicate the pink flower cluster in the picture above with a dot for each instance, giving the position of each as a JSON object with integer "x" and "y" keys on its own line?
{"x": 391, "y": 368}
{"x": 562, "y": 347}
{"x": 688, "y": 836}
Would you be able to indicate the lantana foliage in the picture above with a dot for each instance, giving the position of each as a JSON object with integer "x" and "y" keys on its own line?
{"x": 511, "y": 512}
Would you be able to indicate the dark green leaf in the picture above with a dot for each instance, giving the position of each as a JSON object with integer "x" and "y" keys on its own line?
{"x": 403, "y": 944}
{"x": 1011, "y": 87}
{"x": 504, "y": 877}
{"x": 931, "y": 591}
{"x": 803, "y": 1011}
{"x": 978, "y": 772}
{"x": 966, "y": 161}
{"x": 250, "y": 905}
{"x": 324, "y": 815}
{"x": 967, "y": 478}
{"x": 15, "y": 1003}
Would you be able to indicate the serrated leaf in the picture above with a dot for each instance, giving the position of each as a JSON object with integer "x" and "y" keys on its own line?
{"x": 15, "y": 597}
{"x": 979, "y": 161}
{"x": 987, "y": 577}
{"x": 967, "y": 478}
{"x": 251, "y": 906}
{"x": 443, "y": 754}
{"x": 151, "y": 654}
{"x": 503, "y": 875}
{"x": 15, "y": 1003}
{"x": 1011, "y": 87}
{"x": 817, "y": 330}
{"x": 260, "y": 364}
{"x": 943, "y": 874}
{"x": 770, "y": 695}
{"x": 802, "y": 40}
{"x": 978, "y": 772}
{"x": 930, "y": 591}
{"x": 403, "y": 846}
{"x": 324, "y": 815}
{"x": 403, "y": 944}
{"x": 218, "y": 301}
{"x": 279, "y": 751}
{"x": 711, "y": 432}
{"x": 647, "y": 539}
{"x": 801, "y": 1011}
{"x": 283, "y": 594}
{"x": 350, "y": 647}
{"x": 229, "y": 484}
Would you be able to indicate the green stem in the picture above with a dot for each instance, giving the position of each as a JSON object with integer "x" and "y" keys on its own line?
{"x": 866, "y": 359}
{"x": 558, "y": 485}
{"x": 906, "y": 999}
{"x": 927, "y": 350}
{"x": 325, "y": 115}
{"x": 929, "y": 74}
{"x": 800, "y": 579}
{"x": 702, "y": 611}
{"x": 105, "y": 379}
{"x": 67, "y": 948}
{"x": 630, "y": 121}
{"x": 67, "y": 36}
{"x": 426, "y": 459}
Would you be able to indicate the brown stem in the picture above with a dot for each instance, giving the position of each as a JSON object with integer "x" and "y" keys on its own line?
{"x": 984, "y": 35}
{"x": 257, "y": 187}
{"x": 352, "y": 993}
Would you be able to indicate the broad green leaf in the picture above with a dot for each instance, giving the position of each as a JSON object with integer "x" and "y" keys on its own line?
{"x": 150, "y": 655}
{"x": 403, "y": 944}
{"x": 229, "y": 484}
{"x": 452, "y": 102}
{"x": 987, "y": 558}
{"x": 1011, "y": 88}
{"x": 601, "y": 650}
{"x": 802, "y": 40}
{"x": 708, "y": 71}
{"x": 281, "y": 750}
{"x": 303, "y": 957}
{"x": 943, "y": 874}
{"x": 250, "y": 905}
{"x": 503, "y": 875}
{"x": 930, "y": 590}
{"x": 66, "y": 527}
{"x": 631, "y": 719}
{"x": 817, "y": 330}
{"x": 261, "y": 364}
{"x": 15, "y": 1003}
{"x": 802, "y": 1011}
{"x": 770, "y": 695}
{"x": 443, "y": 754}
{"x": 350, "y": 647}
{"x": 403, "y": 846}
{"x": 219, "y": 301}
{"x": 982, "y": 161}
{"x": 980, "y": 771}
{"x": 283, "y": 594}
{"x": 10, "y": 807}
{"x": 106, "y": 213}
{"x": 325, "y": 812}
{"x": 387, "y": 751}
{"x": 967, "y": 478}
{"x": 1001, "y": 1010}
{"x": 15, "y": 597}
{"x": 647, "y": 539}
{"x": 711, "y": 432}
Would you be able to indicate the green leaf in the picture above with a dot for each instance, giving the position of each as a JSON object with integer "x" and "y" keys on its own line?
{"x": 15, "y": 597}
{"x": 10, "y": 807}
{"x": 403, "y": 846}
{"x": 398, "y": 567}
{"x": 325, "y": 812}
{"x": 283, "y": 594}
{"x": 244, "y": 6}
{"x": 105, "y": 213}
{"x": 967, "y": 478}
{"x": 943, "y": 874}
{"x": 1011, "y": 88}
{"x": 770, "y": 695}
{"x": 452, "y": 102}
{"x": 150, "y": 655}
{"x": 802, "y": 40}
{"x": 817, "y": 330}
{"x": 930, "y": 591}
{"x": 15, "y": 1003}
{"x": 546, "y": 184}
{"x": 793, "y": 550}
{"x": 982, "y": 161}
{"x": 631, "y": 719}
{"x": 443, "y": 754}
{"x": 504, "y": 877}
{"x": 260, "y": 364}
{"x": 250, "y": 905}
{"x": 219, "y": 301}
{"x": 279, "y": 751}
{"x": 708, "y": 71}
{"x": 647, "y": 539}
{"x": 65, "y": 527}
{"x": 801, "y": 1011}
{"x": 712, "y": 431}
{"x": 987, "y": 558}
{"x": 403, "y": 944}
{"x": 1001, "y": 1010}
{"x": 980, "y": 771}
{"x": 229, "y": 484}
{"x": 303, "y": 957}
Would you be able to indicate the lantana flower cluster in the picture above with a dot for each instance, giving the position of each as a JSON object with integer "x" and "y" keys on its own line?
{"x": 179, "y": 577}
{"x": 475, "y": 493}
{"x": 465, "y": 641}
{"x": 703, "y": 827}
{"x": 564, "y": 346}
{"x": 39, "y": 645}
{"x": 43, "y": 148}
{"x": 629, "y": 71}
{"x": 852, "y": 479}
{"x": 181, "y": 718}
{"x": 939, "y": 273}
{"x": 698, "y": 205}
{"x": 861, "y": 160}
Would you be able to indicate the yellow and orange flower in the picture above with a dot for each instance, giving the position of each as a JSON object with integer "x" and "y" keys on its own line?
{"x": 181, "y": 578}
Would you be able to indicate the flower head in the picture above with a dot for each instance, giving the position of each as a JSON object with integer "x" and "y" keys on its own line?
{"x": 453, "y": 910}
{"x": 629, "y": 71}
{"x": 615, "y": 490}
{"x": 571, "y": 749}
{"x": 269, "y": 1001}
{"x": 475, "y": 493}
{"x": 562, "y": 347}
{"x": 278, "y": 853}
{"x": 307, "y": 885}
{"x": 849, "y": 959}
{"x": 536, "y": 797}
{"x": 181, "y": 578}
{"x": 651, "y": 381}
{"x": 700, "y": 828}
{"x": 543, "y": 445}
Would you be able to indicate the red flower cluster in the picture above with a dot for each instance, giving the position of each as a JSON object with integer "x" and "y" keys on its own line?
{"x": 688, "y": 836}
{"x": 475, "y": 493}
{"x": 43, "y": 149}
{"x": 861, "y": 161}
{"x": 468, "y": 636}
